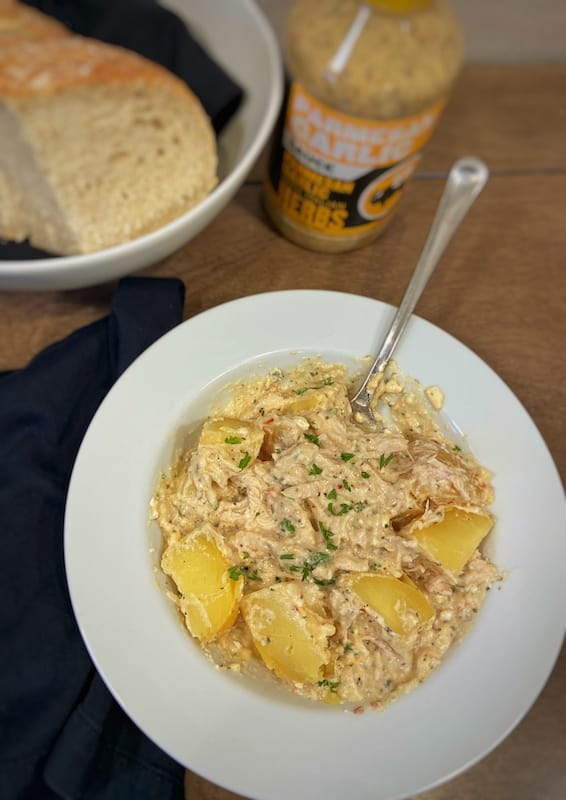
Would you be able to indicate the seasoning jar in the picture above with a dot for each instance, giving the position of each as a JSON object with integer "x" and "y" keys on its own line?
{"x": 367, "y": 84}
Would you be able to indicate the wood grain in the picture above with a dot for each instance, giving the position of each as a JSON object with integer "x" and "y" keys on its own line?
{"x": 500, "y": 289}
{"x": 516, "y": 125}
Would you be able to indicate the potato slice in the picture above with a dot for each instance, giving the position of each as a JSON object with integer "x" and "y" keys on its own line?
{"x": 315, "y": 399}
{"x": 393, "y": 599}
{"x": 290, "y": 636}
{"x": 209, "y": 596}
{"x": 237, "y": 438}
{"x": 454, "y": 540}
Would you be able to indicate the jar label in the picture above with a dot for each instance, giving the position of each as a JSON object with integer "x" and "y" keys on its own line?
{"x": 339, "y": 175}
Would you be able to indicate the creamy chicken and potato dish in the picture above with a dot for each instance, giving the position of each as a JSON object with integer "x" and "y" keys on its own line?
{"x": 340, "y": 557}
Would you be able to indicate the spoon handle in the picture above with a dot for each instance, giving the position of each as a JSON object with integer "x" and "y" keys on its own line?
{"x": 467, "y": 178}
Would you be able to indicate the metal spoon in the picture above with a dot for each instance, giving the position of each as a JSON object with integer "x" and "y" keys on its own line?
{"x": 465, "y": 181}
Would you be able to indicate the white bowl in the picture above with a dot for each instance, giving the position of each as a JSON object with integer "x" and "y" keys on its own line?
{"x": 236, "y": 35}
{"x": 257, "y": 741}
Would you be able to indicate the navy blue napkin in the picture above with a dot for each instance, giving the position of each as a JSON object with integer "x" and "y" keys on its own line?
{"x": 61, "y": 733}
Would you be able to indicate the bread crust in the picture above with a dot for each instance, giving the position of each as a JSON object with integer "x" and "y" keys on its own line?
{"x": 40, "y": 68}
{"x": 19, "y": 23}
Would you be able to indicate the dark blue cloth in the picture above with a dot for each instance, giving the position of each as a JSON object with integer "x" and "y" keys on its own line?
{"x": 61, "y": 733}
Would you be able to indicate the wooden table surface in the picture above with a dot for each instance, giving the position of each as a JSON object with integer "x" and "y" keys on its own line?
{"x": 500, "y": 289}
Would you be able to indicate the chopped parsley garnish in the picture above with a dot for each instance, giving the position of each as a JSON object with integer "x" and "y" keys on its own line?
{"x": 232, "y": 440}
{"x": 458, "y": 449}
{"x": 245, "y": 554}
{"x": 287, "y": 556}
{"x": 346, "y": 485}
{"x": 332, "y": 494}
{"x": 365, "y": 474}
{"x": 287, "y": 525}
{"x": 243, "y": 463}
{"x": 348, "y": 647}
{"x": 318, "y": 558}
{"x": 312, "y": 437}
{"x": 344, "y": 508}
{"x": 326, "y": 382}
{"x": 346, "y": 456}
{"x": 236, "y": 572}
{"x": 332, "y": 685}
{"x": 307, "y": 569}
{"x": 315, "y": 470}
{"x": 313, "y": 561}
{"x": 384, "y": 460}
{"x": 324, "y": 581}
{"x": 328, "y": 536}
{"x": 309, "y": 564}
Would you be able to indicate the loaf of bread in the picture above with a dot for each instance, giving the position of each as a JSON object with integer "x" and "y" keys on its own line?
{"x": 98, "y": 145}
{"x": 19, "y": 23}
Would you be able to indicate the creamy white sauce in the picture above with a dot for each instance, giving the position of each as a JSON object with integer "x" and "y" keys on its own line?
{"x": 323, "y": 498}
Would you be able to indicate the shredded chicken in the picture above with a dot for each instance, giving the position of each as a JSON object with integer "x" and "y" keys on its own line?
{"x": 311, "y": 496}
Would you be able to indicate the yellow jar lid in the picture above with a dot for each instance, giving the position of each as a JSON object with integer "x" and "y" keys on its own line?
{"x": 401, "y": 6}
